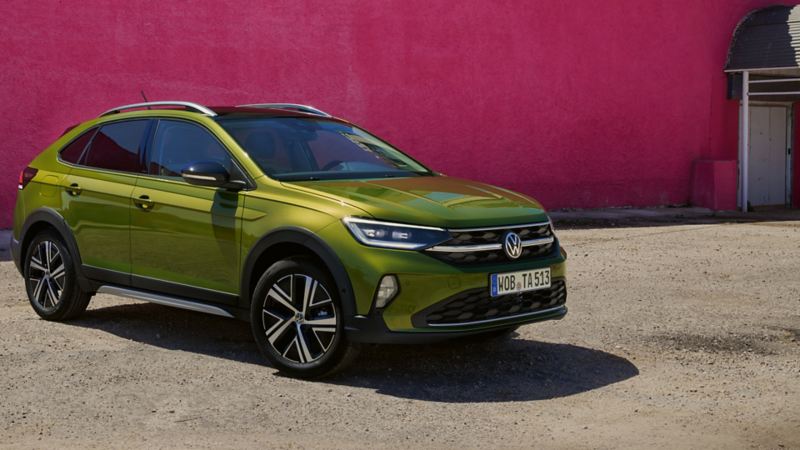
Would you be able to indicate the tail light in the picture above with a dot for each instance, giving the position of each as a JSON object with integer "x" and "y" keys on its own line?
{"x": 26, "y": 176}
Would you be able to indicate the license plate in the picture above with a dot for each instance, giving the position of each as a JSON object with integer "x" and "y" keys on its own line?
{"x": 522, "y": 281}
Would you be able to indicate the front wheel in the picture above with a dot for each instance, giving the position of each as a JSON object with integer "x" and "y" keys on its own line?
{"x": 297, "y": 322}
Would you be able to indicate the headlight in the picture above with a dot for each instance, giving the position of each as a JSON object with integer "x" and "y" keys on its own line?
{"x": 395, "y": 235}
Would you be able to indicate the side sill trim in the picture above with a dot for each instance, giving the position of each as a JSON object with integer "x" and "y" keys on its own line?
{"x": 499, "y": 319}
{"x": 163, "y": 300}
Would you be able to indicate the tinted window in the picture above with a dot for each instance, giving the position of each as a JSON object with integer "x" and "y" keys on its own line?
{"x": 274, "y": 155}
{"x": 178, "y": 144}
{"x": 116, "y": 146}
{"x": 72, "y": 153}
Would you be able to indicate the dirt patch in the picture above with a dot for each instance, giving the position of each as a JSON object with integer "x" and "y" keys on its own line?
{"x": 730, "y": 343}
{"x": 677, "y": 336}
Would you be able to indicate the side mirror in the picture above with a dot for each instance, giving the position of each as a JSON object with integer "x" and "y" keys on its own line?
{"x": 211, "y": 174}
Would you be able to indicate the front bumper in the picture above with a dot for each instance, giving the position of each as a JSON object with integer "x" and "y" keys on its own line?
{"x": 425, "y": 282}
{"x": 372, "y": 328}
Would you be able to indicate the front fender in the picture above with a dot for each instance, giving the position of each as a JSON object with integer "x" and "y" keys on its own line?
{"x": 312, "y": 242}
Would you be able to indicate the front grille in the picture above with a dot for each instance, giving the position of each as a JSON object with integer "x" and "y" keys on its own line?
{"x": 493, "y": 236}
{"x": 476, "y": 305}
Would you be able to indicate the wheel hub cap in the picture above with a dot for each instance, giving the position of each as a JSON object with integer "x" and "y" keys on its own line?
{"x": 46, "y": 274}
{"x": 299, "y": 318}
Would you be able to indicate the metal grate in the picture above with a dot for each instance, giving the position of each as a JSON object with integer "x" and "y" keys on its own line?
{"x": 476, "y": 305}
{"x": 458, "y": 251}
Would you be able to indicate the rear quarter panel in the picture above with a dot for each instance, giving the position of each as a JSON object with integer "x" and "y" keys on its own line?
{"x": 45, "y": 189}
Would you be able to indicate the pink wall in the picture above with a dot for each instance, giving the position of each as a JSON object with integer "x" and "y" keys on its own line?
{"x": 581, "y": 103}
{"x": 714, "y": 184}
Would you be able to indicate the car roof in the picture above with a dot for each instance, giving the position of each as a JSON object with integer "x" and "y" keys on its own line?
{"x": 260, "y": 109}
{"x": 249, "y": 111}
{"x": 185, "y": 109}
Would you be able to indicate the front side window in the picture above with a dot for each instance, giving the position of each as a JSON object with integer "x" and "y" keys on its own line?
{"x": 178, "y": 144}
{"x": 117, "y": 146}
{"x": 292, "y": 148}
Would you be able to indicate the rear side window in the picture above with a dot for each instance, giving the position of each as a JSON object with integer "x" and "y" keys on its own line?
{"x": 72, "y": 153}
{"x": 178, "y": 144}
{"x": 117, "y": 146}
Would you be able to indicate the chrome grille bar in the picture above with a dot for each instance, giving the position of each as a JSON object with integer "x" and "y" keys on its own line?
{"x": 486, "y": 247}
{"x": 504, "y": 227}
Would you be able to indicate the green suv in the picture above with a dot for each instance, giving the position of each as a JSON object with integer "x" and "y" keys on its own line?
{"x": 319, "y": 234}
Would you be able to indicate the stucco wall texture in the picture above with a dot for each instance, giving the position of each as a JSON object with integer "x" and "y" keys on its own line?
{"x": 579, "y": 103}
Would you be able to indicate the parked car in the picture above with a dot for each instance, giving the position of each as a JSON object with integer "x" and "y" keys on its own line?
{"x": 318, "y": 233}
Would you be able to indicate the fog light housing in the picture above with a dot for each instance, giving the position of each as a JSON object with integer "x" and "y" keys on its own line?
{"x": 387, "y": 290}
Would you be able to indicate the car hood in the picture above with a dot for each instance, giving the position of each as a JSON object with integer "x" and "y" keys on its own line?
{"x": 430, "y": 200}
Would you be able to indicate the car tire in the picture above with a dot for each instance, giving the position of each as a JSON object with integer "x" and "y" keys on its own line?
{"x": 51, "y": 279}
{"x": 297, "y": 320}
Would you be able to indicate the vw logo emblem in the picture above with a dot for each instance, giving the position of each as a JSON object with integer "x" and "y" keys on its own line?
{"x": 512, "y": 244}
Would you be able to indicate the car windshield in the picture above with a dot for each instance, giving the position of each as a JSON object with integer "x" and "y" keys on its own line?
{"x": 293, "y": 149}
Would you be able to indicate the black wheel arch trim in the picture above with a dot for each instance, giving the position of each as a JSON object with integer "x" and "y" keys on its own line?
{"x": 51, "y": 217}
{"x": 315, "y": 244}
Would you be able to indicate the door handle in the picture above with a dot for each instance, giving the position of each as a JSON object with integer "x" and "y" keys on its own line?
{"x": 143, "y": 202}
{"x": 74, "y": 189}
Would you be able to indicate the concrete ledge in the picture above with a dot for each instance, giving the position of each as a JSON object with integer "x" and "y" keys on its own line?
{"x": 622, "y": 217}
{"x": 630, "y": 215}
{"x": 5, "y": 245}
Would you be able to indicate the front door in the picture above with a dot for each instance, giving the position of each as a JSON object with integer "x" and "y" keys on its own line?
{"x": 768, "y": 178}
{"x": 185, "y": 238}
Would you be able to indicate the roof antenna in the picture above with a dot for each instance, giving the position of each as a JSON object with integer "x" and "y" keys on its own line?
{"x": 144, "y": 97}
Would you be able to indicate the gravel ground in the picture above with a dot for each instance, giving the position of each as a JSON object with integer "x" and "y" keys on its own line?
{"x": 677, "y": 336}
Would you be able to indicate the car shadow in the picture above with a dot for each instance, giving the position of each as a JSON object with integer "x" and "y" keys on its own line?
{"x": 175, "y": 329}
{"x": 469, "y": 370}
{"x": 490, "y": 370}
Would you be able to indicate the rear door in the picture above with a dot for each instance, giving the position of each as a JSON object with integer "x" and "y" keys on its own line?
{"x": 185, "y": 238}
{"x": 97, "y": 197}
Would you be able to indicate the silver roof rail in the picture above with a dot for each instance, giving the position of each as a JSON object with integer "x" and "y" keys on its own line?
{"x": 187, "y": 105}
{"x": 289, "y": 106}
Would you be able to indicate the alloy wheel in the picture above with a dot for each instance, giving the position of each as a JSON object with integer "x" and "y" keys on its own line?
{"x": 46, "y": 274}
{"x": 299, "y": 318}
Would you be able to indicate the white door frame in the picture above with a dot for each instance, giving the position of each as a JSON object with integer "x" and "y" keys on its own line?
{"x": 744, "y": 139}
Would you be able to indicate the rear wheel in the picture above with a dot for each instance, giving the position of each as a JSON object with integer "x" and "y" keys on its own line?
{"x": 297, "y": 320}
{"x": 51, "y": 280}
